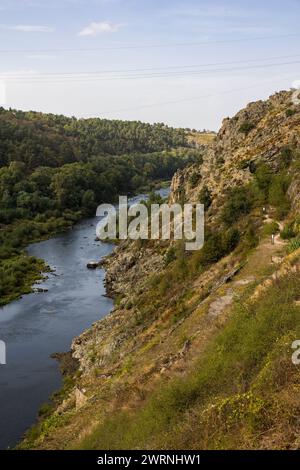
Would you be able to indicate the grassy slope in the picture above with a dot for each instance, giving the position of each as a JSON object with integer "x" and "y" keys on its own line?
{"x": 29, "y": 270}
{"x": 233, "y": 397}
{"x": 205, "y": 138}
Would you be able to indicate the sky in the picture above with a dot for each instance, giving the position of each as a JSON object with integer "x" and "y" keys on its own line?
{"x": 186, "y": 63}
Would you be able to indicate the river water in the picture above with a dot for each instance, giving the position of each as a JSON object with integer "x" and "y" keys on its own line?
{"x": 40, "y": 324}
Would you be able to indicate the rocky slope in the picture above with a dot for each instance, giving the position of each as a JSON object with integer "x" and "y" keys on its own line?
{"x": 171, "y": 366}
{"x": 256, "y": 134}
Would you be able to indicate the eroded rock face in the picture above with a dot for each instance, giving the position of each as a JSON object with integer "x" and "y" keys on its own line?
{"x": 294, "y": 195}
{"x": 257, "y": 133}
{"x": 127, "y": 271}
{"x": 128, "y": 265}
{"x": 80, "y": 398}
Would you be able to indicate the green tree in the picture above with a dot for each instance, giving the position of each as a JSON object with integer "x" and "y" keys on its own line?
{"x": 88, "y": 203}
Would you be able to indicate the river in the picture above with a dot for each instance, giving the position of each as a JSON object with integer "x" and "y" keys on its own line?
{"x": 40, "y": 324}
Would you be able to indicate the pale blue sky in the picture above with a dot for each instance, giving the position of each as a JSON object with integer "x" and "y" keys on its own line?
{"x": 165, "y": 54}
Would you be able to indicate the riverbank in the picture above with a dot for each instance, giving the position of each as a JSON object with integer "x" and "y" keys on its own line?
{"x": 36, "y": 270}
{"x": 19, "y": 272}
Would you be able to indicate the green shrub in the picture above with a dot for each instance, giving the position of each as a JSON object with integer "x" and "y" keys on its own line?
{"x": 45, "y": 410}
{"x": 290, "y": 112}
{"x": 246, "y": 127}
{"x": 194, "y": 178}
{"x": 277, "y": 194}
{"x": 170, "y": 255}
{"x": 263, "y": 177}
{"x": 287, "y": 232}
{"x": 215, "y": 247}
{"x": 250, "y": 239}
{"x": 238, "y": 203}
{"x": 293, "y": 245}
{"x": 286, "y": 156}
{"x": 270, "y": 229}
{"x": 230, "y": 240}
{"x": 205, "y": 197}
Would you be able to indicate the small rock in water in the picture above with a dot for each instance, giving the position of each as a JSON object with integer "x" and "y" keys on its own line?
{"x": 40, "y": 289}
{"x": 92, "y": 265}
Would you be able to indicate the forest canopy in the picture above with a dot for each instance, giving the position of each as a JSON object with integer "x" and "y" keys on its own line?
{"x": 38, "y": 139}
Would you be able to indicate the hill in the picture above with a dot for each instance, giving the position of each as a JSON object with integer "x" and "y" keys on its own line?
{"x": 38, "y": 139}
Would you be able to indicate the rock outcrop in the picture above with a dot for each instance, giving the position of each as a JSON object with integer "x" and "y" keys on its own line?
{"x": 258, "y": 133}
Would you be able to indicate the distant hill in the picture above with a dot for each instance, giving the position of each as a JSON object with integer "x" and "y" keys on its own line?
{"x": 198, "y": 139}
{"x": 39, "y": 139}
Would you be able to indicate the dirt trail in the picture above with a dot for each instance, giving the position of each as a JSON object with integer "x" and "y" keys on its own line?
{"x": 260, "y": 265}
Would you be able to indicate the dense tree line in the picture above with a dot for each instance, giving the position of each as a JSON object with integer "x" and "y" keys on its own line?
{"x": 38, "y": 139}
{"x": 80, "y": 186}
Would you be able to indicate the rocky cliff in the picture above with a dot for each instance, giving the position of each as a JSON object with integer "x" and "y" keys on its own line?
{"x": 257, "y": 133}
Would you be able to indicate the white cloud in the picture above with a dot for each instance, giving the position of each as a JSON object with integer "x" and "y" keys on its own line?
{"x": 27, "y": 28}
{"x": 94, "y": 29}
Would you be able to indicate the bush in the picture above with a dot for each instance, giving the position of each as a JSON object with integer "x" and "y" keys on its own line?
{"x": 250, "y": 238}
{"x": 270, "y": 229}
{"x": 205, "y": 197}
{"x": 287, "y": 232}
{"x": 215, "y": 247}
{"x": 246, "y": 127}
{"x": 170, "y": 256}
{"x": 290, "y": 112}
{"x": 230, "y": 240}
{"x": 286, "y": 156}
{"x": 277, "y": 194}
{"x": 193, "y": 180}
{"x": 293, "y": 245}
{"x": 238, "y": 203}
{"x": 263, "y": 178}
